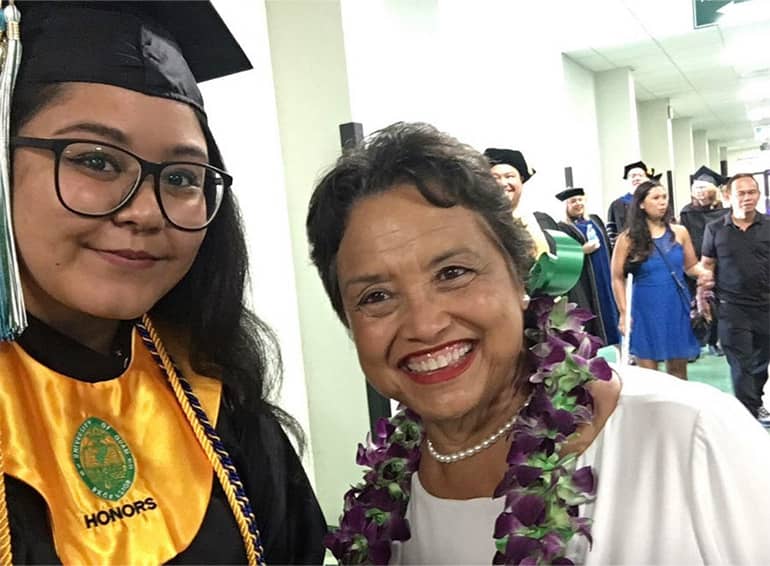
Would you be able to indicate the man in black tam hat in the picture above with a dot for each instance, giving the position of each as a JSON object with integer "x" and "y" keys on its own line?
{"x": 704, "y": 208}
{"x": 510, "y": 170}
{"x": 135, "y": 426}
{"x": 593, "y": 290}
{"x": 634, "y": 174}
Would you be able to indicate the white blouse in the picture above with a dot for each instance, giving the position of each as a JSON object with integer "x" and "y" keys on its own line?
{"x": 683, "y": 478}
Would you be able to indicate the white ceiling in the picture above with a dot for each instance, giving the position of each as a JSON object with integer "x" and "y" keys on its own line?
{"x": 671, "y": 59}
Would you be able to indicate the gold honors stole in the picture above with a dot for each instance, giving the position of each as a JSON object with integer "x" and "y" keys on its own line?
{"x": 117, "y": 463}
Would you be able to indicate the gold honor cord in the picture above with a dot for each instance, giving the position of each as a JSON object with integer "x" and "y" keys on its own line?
{"x": 6, "y": 556}
{"x": 253, "y": 548}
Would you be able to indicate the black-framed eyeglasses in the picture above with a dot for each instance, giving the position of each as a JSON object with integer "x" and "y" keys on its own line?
{"x": 98, "y": 179}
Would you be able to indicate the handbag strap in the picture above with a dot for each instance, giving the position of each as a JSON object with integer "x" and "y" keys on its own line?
{"x": 679, "y": 284}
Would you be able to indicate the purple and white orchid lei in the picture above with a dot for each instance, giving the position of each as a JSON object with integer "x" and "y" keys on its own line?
{"x": 542, "y": 488}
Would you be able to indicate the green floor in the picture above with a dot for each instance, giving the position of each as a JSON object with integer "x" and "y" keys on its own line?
{"x": 707, "y": 369}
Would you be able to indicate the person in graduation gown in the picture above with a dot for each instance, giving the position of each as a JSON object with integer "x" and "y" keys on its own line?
{"x": 131, "y": 250}
{"x": 634, "y": 174}
{"x": 705, "y": 207}
{"x": 510, "y": 170}
{"x": 594, "y": 289}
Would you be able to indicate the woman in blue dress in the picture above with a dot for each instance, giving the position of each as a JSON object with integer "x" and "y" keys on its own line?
{"x": 659, "y": 254}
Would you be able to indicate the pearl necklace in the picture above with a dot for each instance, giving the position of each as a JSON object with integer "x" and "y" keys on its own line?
{"x": 472, "y": 451}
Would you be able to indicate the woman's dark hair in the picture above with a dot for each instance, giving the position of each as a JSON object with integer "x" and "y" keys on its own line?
{"x": 224, "y": 338}
{"x": 638, "y": 232}
{"x": 446, "y": 172}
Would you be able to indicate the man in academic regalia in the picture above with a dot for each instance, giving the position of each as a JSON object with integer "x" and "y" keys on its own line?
{"x": 704, "y": 208}
{"x": 593, "y": 290}
{"x": 634, "y": 175}
{"x": 510, "y": 170}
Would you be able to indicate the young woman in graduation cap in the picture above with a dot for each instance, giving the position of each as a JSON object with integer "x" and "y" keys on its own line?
{"x": 134, "y": 421}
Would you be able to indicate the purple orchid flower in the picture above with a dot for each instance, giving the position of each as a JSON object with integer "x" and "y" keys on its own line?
{"x": 505, "y": 524}
{"x": 519, "y": 548}
{"x": 583, "y": 480}
{"x": 600, "y": 369}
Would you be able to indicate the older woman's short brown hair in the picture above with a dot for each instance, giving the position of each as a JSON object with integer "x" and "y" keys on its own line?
{"x": 446, "y": 172}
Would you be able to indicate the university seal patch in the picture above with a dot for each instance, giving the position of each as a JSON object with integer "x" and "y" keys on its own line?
{"x": 103, "y": 459}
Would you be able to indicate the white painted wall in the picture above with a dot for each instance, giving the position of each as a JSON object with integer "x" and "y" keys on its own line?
{"x": 460, "y": 66}
{"x": 242, "y": 113}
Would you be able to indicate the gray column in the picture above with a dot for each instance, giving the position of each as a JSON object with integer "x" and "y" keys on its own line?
{"x": 618, "y": 128}
{"x": 655, "y": 135}
{"x": 684, "y": 161}
{"x": 714, "y": 155}
{"x": 310, "y": 75}
{"x": 700, "y": 148}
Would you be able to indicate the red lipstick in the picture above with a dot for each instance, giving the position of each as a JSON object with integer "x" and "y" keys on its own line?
{"x": 441, "y": 375}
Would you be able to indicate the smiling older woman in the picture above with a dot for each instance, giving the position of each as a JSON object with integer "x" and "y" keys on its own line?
{"x": 508, "y": 441}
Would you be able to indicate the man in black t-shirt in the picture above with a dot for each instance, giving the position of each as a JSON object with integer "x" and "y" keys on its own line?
{"x": 737, "y": 247}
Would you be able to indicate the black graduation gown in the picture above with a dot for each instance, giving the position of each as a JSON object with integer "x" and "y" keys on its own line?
{"x": 584, "y": 293}
{"x": 288, "y": 515}
{"x": 545, "y": 221}
{"x": 616, "y": 219}
{"x": 695, "y": 218}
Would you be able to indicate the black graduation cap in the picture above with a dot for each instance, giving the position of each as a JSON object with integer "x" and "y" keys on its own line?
{"x": 570, "y": 192}
{"x": 511, "y": 157}
{"x": 709, "y": 176}
{"x": 160, "y": 48}
{"x": 634, "y": 165}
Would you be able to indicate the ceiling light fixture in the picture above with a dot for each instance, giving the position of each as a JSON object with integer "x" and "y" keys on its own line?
{"x": 758, "y": 89}
{"x": 758, "y": 114}
{"x": 746, "y": 54}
